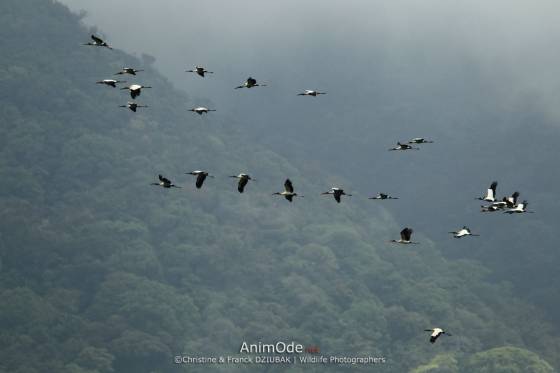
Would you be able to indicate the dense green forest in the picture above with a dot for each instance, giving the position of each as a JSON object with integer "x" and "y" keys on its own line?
{"x": 101, "y": 272}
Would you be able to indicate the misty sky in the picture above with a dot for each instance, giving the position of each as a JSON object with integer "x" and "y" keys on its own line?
{"x": 296, "y": 45}
{"x": 392, "y": 69}
{"x": 469, "y": 74}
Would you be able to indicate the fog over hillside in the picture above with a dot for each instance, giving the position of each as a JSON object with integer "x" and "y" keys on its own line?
{"x": 479, "y": 78}
{"x": 344, "y": 45}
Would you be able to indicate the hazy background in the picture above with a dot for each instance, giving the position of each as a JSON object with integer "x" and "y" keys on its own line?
{"x": 479, "y": 78}
{"x": 101, "y": 272}
{"x": 342, "y": 47}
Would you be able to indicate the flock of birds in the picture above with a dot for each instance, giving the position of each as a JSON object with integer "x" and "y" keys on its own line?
{"x": 508, "y": 204}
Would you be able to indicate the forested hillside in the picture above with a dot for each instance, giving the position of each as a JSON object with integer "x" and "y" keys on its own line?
{"x": 101, "y": 272}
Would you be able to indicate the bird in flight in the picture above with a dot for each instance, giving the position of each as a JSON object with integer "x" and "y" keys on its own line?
{"x": 288, "y": 192}
{"x": 406, "y": 235}
{"x": 98, "y": 42}
{"x": 383, "y": 196}
{"x": 200, "y": 71}
{"x": 436, "y": 333}
{"x": 243, "y": 180}
{"x": 250, "y": 83}
{"x": 135, "y": 90}
{"x": 420, "y": 140}
{"x": 200, "y": 177}
{"x": 463, "y": 232}
{"x": 110, "y": 82}
{"x": 165, "y": 183}
{"x": 337, "y": 193}
{"x": 506, "y": 202}
{"x": 128, "y": 70}
{"x": 309, "y": 92}
{"x": 133, "y": 106}
{"x": 519, "y": 209}
{"x": 490, "y": 193}
{"x": 403, "y": 147}
{"x": 201, "y": 110}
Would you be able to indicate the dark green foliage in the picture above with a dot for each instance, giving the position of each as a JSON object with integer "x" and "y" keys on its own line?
{"x": 101, "y": 272}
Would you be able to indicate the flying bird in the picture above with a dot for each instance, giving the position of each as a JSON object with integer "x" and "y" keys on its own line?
{"x": 135, "y": 90}
{"x": 383, "y": 196}
{"x": 309, "y": 92}
{"x": 133, "y": 106}
{"x": 436, "y": 333}
{"x": 490, "y": 208}
{"x": 420, "y": 140}
{"x": 200, "y": 177}
{"x": 250, "y": 83}
{"x": 165, "y": 183}
{"x": 128, "y": 70}
{"x": 200, "y": 71}
{"x": 201, "y": 110}
{"x": 403, "y": 147}
{"x": 490, "y": 193}
{"x": 506, "y": 202}
{"x": 243, "y": 180}
{"x": 97, "y": 42}
{"x": 519, "y": 209}
{"x": 288, "y": 192}
{"x": 406, "y": 234}
{"x": 463, "y": 232}
{"x": 337, "y": 193}
{"x": 110, "y": 82}
{"x": 511, "y": 201}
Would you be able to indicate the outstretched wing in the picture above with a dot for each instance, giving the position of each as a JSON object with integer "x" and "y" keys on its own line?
{"x": 514, "y": 197}
{"x": 200, "y": 180}
{"x": 241, "y": 185}
{"x": 164, "y": 180}
{"x": 288, "y": 186}
{"x": 289, "y": 197}
{"x": 406, "y": 234}
{"x": 493, "y": 187}
{"x": 96, "y": 39}
{"x": 251, "y": 81}
{"x": 337, "y": 196}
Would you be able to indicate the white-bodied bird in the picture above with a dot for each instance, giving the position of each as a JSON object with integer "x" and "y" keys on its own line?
{"x": 490, "y": 193}
{"x": 243, "y": 180}
{"x": 519, "y": 209}
{"x": 383, "y": 196}
{"x": 420, "y": 140}
{"x": 288, "y": 192}
{"x": 110, "y": 82}
{"x": 98, "y": 42}
{"x": 128, "y": 70}
{"x": 165, "y": 183}
{"x": 133, "y": 106}
{"x": 337, "y": 193}
{"x": 309, "y": 92}
{"x": 406, "y": 235}
{"x": 401, "y": 146}
{"x": 201, "y": 110}
{"x": 436, "y": 333}
{"x": 250, "y": 83}
{"x": 200, "y": 177}
{"x": 463, "y": 232}
{"x": 200, "y": 71}
{"x": 135, "y": 90}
